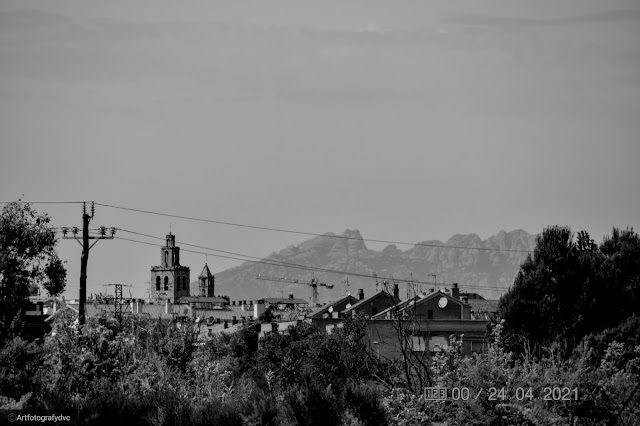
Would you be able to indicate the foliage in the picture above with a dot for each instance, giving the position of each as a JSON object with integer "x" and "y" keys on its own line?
{"x": 27, "y": 257}
{"x": 505, "y": 389}
{"x": 156, "y": 372}
{"x": 570, "y": 288}
{"x": 18, "y": 364}
{"x": 334, "y": 359}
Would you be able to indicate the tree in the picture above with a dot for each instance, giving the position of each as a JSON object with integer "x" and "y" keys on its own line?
{"x": 568, "y": 289}
{"x": 27, "y": 257}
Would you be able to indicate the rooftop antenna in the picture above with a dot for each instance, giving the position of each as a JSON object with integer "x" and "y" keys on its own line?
{"x": 346, "y": 282}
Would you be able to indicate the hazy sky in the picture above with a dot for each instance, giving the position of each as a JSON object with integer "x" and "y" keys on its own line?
{"x": 407, "y": 119}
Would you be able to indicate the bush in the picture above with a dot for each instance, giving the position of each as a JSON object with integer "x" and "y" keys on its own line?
{"x": 20, "y": 362}
{"x": 312, "y": 404}
{"x": 364, "y": 403}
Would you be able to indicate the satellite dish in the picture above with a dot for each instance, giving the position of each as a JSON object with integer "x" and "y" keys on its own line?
{"x": 348, "y": 305}
{"x": 330, "y": 308}
{"x": 443, "y": 302}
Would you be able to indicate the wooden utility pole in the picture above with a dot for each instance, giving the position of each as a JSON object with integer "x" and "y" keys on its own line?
{"x": 84, "y": 259}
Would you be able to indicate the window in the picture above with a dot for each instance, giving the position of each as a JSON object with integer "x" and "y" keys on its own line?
{"x": 430, "y": 314}
{"x": 166, "y": 283}
{"x": 157, "y": 283}
{"x": 185, "y": 284}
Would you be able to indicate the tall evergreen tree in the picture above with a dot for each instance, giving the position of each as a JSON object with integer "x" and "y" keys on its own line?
{"x": 572, "y": 287}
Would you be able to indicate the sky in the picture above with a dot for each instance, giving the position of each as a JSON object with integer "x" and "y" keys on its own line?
{"x": 408, "y": 120}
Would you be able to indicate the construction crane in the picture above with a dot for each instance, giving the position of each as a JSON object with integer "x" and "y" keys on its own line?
{"x": 314, "y": 283}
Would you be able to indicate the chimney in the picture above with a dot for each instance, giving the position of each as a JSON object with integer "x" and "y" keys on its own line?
{"x": 258, "y": 309}
{"x": 290, "y": 295}
{"x": 432, "y": 290}
{"x": 360, "y": 294}
{"x": 396, "y": 291}
{"x": 233, "y": 303}
{"x": 455, "y": 291}
{"x": 167, "y": 307}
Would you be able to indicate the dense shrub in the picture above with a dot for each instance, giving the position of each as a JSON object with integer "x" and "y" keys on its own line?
{"x": 19, "y": 363}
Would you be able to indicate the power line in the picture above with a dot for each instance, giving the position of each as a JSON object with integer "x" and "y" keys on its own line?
{"x": 217, "y": 250}
{"x": 43, "y": 202}
{"x": 285, "y": 264}
{"x": 264, "y": 228}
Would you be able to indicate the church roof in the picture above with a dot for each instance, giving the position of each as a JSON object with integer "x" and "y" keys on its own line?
{"x": 206, "y": 273}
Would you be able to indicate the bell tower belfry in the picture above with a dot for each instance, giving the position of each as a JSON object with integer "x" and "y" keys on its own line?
{"x": 206, "y": 282}
{"x": 170, "y": 280}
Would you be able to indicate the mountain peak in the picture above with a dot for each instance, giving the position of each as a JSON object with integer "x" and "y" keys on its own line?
{"x": 485, "y": 272}
{"x": 352, "y": 234}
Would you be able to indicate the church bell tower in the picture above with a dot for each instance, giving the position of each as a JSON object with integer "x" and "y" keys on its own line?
{"x": 170, "y": 280}
{"x": 206, "y": 282}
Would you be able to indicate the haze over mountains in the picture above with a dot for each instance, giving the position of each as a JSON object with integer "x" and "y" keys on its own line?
{"x": 487, "y": 272}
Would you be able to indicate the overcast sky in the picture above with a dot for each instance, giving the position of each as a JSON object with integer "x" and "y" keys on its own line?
{"x": 409, "y": 120}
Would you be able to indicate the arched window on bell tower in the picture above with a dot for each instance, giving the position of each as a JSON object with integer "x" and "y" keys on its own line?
{"x": 157, "y": 283}
{"x": 166, "y": 283}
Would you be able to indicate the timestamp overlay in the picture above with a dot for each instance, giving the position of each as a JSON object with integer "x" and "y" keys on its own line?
{"x": 525, "y": 393}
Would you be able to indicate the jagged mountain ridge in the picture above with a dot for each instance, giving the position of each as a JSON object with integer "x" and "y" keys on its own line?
{"x": 488, "y": 273}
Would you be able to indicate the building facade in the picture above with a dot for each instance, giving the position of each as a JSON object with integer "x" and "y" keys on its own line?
{"x": 169, "y": 280}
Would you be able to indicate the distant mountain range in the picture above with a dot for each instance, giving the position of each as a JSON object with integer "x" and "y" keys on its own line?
{"x": 486, "y": 272}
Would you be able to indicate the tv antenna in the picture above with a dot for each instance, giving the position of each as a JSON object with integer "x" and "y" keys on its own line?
{"x": 346, "y": 282}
